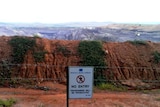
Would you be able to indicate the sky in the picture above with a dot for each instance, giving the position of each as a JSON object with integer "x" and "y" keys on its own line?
{"x": 62, "y": 11}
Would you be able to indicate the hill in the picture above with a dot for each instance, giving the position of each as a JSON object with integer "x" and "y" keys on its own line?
{"x": 85, "y": 31}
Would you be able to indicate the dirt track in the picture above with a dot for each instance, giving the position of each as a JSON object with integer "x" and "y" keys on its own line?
{"x": 56, "y": 97}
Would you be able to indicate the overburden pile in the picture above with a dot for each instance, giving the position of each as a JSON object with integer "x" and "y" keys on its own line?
{"x": 46, "y": 59}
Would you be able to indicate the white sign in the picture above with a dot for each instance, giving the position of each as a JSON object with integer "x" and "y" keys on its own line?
{"x": 80, "y": 82}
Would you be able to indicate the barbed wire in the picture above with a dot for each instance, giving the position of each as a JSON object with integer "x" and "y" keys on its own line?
{"x": 20, "y": 78}
{"x": 3, "y": 67}
{"x": 55, "y": 80}
{"x": 62, "y": 65}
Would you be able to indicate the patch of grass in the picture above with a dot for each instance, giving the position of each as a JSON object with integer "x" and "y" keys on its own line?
{"x": 62, "y": 49}
{"x": 155, "y": 91}
{"x": 7, "y": 103}
{"x": 138, "y": 42}
{"x": 41, "y": 105}
{"x": 156, "y": 56}
{"x": 39, "y": 56}
{"x": 118, "y": 105}
{"x": 157, "y": 99}
{"x": 109, "y": 86}
{"x": 5, "y": 72}
{"x": 144, "y": 91}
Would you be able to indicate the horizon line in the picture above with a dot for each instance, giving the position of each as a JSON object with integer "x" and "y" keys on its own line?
{"x": 78, "y": 22}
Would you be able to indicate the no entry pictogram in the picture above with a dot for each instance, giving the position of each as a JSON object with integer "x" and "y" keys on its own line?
{"x": 80, "y": 79}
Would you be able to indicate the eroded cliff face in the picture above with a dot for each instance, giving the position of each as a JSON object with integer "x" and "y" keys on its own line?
{"x": 124, "y": 60}
{"x": 128, "y": 61}
{"x": 55, "y": 62}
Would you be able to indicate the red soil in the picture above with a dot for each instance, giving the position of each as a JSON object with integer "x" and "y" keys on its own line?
{"x": 56, "y": 97}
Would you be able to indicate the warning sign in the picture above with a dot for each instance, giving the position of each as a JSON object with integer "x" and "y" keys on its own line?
{"x": 80, "y": 82}
{"x": 80, "y": 79}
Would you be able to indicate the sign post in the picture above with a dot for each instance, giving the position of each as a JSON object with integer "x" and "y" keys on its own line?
{"x": 80, "y": 82}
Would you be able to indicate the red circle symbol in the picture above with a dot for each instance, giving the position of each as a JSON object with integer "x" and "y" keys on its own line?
{"x": 80, "y": 79}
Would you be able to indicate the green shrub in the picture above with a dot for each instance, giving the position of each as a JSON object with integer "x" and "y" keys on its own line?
{"x": 5, "y": 72}
{"x": 156, "y": 56}
{"x": 92, "y": 54}
{"x": 138, "y": 42}
{"x": 157, "y": 99}
{"x": 7, "y": 103}
{"x": 39, "y": 56}
{"x": 20, "y": 46}
{"x": 62, "y": 49}
{"x": 109, "y": 86}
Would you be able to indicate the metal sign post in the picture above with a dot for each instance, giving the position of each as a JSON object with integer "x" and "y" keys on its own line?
{"x": 67, "y": 91}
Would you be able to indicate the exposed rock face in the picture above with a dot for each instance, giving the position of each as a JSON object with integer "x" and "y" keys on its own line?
{"x": 5, "y": 49}
{"x": 54, "y": 65}
{"x": 128, "y": 61}
{"x": 125, "y": 61}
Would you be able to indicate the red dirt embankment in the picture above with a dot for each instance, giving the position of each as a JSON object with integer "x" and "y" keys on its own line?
{"x": 122, "y": 59}
{"x": 128, "y": 61}
{"x": 55, "y": 63}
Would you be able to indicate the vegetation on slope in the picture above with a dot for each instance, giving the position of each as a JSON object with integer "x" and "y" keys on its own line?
{"x": 7, "y": 103}
{"x": 20, "y": 46}
{"x": 138, "y": 42}
{"x": 5, "y": 72}
{"x": 156, "y": 56}
{"x": 92, "y": 54}
{"x": 61, "y": 49}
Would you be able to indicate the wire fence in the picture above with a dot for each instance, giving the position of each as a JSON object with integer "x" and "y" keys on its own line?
{"x": 113, "y": 73}
{"x": 12, "y": 76}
